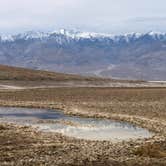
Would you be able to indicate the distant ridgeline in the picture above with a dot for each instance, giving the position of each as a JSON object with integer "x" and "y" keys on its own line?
{"x": 129, "y": 56}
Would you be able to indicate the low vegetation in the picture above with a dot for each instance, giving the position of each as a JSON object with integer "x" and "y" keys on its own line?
{"x": 34, "y": 78}
{"x": 141, "y": 106}
{"x": 153, "y": 150}
{"x": 22, "y": 74}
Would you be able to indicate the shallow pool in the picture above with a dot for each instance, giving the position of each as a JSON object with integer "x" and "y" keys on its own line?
{"x": 78, "y": 127}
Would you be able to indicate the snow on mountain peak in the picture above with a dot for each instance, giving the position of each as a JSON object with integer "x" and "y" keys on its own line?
{"x": 31, "y": 35}
{"x": 74, "y": 34}
{"x": 6, "y": 38}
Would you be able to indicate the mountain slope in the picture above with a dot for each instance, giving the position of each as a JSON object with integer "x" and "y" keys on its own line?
{"x": 22, "y": 74}
{"x": 130, "y": 56}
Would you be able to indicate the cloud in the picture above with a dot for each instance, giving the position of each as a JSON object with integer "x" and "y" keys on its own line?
{"x": 91, "y": 15}
{"x": 148, "y": 19}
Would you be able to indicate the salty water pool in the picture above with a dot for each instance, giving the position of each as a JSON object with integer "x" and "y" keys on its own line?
{"x": 79, "y": 127}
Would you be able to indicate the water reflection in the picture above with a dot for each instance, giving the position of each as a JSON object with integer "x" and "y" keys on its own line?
{"x": 78, "y": 127}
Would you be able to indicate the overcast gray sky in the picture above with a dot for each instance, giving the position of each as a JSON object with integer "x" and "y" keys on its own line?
{"x": 108, "y": 16}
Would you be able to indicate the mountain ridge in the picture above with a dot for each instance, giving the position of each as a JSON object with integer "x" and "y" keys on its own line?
{"x": 130, "y": 56}
{"x": 80, "y": 35}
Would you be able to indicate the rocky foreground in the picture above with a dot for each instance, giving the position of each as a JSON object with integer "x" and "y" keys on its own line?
{"x": 142, "y": 106}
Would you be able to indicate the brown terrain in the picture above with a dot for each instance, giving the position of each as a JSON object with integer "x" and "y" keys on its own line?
{"x": 143, "y": 106}
{"x": 16, "y": 77}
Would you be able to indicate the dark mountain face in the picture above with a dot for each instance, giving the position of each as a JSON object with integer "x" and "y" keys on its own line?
{"x": 132, "y": 56}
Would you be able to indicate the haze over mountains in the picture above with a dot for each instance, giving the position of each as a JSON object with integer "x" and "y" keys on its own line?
{"x": 129, "y": 56}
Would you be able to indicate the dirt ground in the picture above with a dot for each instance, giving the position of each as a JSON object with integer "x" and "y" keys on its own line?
{"x": 142, "y": 106}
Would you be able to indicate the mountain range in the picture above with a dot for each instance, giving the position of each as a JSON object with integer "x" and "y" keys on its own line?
{"x": 140, "y": 56}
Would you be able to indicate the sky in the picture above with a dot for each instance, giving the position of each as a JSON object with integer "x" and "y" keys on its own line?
{"x": 105, "y": 16}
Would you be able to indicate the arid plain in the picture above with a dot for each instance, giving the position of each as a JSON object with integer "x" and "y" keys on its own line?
{"x": 130, "y": 101}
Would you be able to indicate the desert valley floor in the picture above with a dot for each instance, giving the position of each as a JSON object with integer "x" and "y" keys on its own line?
{"x": 143, "y": 106}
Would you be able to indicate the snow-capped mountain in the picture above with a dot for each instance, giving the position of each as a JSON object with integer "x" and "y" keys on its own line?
{"x": 73, "y": 34}
{"x": 128, "y": 56}
{"x": 24, "y": 36}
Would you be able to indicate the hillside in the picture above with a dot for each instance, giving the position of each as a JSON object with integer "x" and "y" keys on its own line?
{"x": 22, "y": 74}
{"x": 22, "y": 78}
